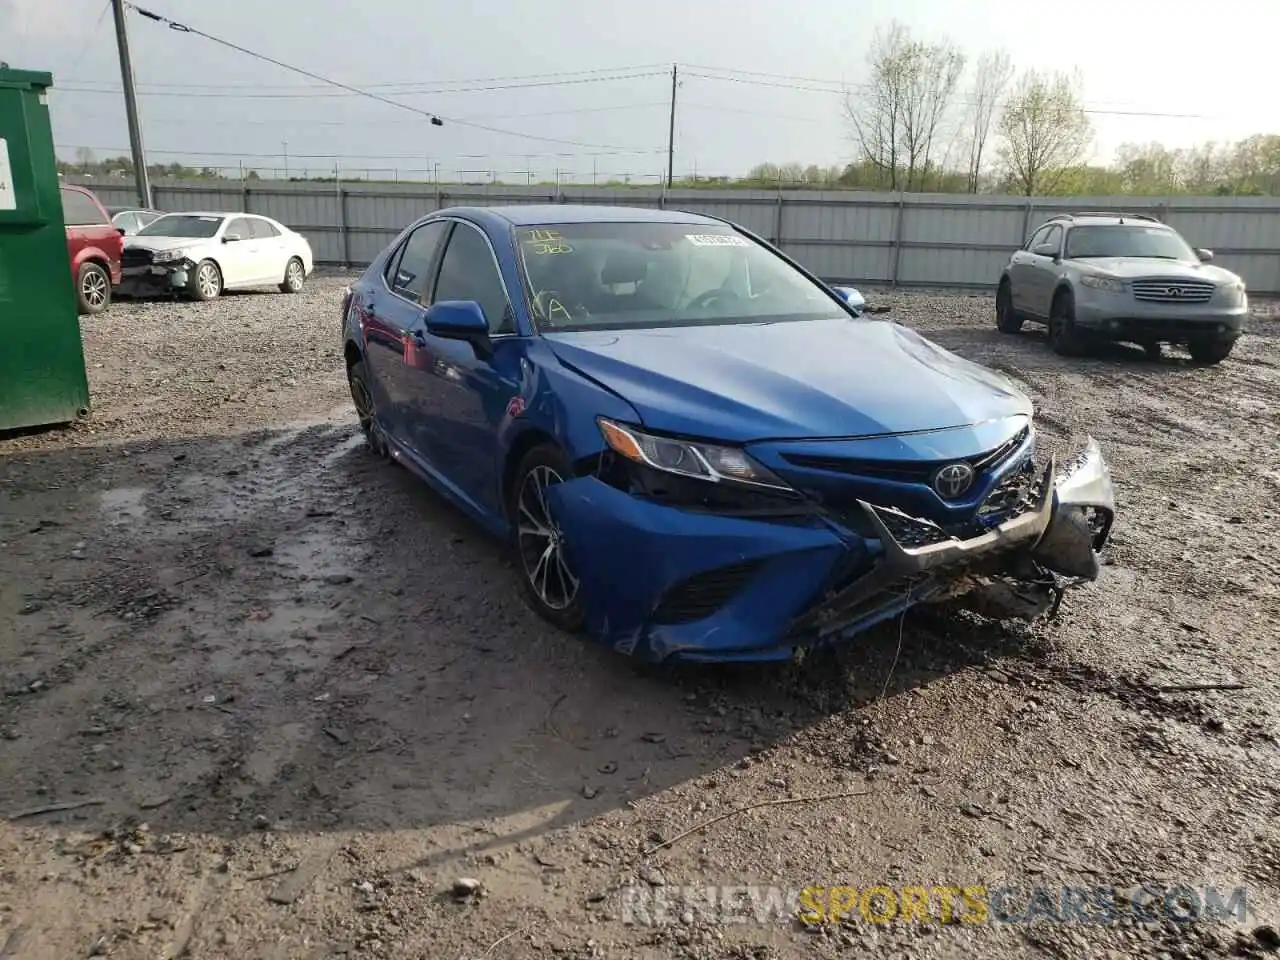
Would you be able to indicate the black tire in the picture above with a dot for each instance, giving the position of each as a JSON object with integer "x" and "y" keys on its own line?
{"x": 366, "y": 409}
{"x": 1064, "y": 338}
{"x": 93, "y": 289}
{"x": 546, "y": 582}
{"x": 295, "y": 275}
{"x": 1210, "y": 351}
{"x": 205, "y": 282}
{"x": 1152, "y": 350}
{"x": 1007, "y": 319}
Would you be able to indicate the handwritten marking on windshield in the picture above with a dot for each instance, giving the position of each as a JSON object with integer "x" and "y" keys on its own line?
{"x": 716, "y": 240}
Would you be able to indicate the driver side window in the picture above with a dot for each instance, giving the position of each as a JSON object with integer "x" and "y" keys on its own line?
{"x": 1037, "y": 238}
{"x": 468, "y": 272}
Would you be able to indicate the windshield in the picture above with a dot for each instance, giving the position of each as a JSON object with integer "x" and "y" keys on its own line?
{"x": 601, "y": 276}
{"x": 176, "y": 225}
{"x": 1127, "y": 241}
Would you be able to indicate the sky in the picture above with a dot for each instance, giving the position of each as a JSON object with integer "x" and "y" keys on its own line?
{"x": 582, "y": 89}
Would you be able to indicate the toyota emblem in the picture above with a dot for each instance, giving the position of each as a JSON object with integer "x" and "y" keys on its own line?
{"x": 953, "y": 480}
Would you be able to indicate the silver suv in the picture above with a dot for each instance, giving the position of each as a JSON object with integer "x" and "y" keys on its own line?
{"x": 1121, "y": 276}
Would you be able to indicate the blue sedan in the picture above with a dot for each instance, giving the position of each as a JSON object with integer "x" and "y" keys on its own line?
{"x": 694, "y": 447}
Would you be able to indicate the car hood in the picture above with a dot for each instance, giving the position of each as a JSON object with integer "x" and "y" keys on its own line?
{"x": 1131, "y": 268}
{"x": 164, "y": 243}
{"x": 798, "y": 380}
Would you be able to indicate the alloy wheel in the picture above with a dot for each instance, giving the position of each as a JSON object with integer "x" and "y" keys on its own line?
{"x": 207, "y": 279}
{"x": 94, "y": 289}
{"x": 541, "y": 542}
{"x": 293, "y": 275}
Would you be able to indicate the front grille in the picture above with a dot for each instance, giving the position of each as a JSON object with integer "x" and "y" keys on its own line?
{"x": 911, "y": 531}
{"x": 1012, "y": 496}
{"x": 906, "y": 471}
{"x": 1173, "y": 291}
{"x": 133, "y": 257}
{"x": 702, "y": 594}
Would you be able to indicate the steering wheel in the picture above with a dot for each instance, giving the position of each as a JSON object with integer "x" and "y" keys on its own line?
{"x": 554, "y": 308}
{"x": 708, "y": 297}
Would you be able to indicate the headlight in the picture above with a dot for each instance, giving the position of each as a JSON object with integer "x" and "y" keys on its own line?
{"x": 1234, "y": 292}
{"x": 164, "y": 256}
{"x": 1105, "y": 284}
{"x": 703, "y": 461}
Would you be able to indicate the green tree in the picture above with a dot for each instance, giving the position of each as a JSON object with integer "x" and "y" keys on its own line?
{"x": 1044, "y": 130}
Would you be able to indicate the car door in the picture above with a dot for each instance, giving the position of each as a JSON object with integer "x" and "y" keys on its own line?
{"x": 460, "y": 396}
{"x": 1022, "y": 271}
{"x": 389, "y": 306}
{"x": 236, "y": 256}
{"x": 272, "y": 253}
{"x": 1044, "y": 273}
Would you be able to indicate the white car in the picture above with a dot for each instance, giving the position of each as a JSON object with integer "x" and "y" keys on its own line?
{"x": 203, "y": 254}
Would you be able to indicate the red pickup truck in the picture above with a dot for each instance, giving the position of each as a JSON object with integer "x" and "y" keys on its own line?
{"x": 95, "y": 246}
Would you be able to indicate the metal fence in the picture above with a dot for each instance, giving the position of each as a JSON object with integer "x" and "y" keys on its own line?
{"x": 874, "y": 239}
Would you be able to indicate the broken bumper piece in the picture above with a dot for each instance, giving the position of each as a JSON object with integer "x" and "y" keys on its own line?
{"x": 660, "y": 582}
{"x": 155, "y": 279}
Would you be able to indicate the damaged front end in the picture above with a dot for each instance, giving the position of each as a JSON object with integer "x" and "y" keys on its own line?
{"x": 1019, "y": 568}
{"x": 154, "y": 272}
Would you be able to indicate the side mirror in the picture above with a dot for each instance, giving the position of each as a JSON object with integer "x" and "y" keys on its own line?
{"x": 1204, "y": 255}
{"x": 1046, "y": 250}
{"x": 851, "y": 296}
{"x": 232, "y": 238}
{"x": 122, "y": 231}
{"x": 459, "y": 320}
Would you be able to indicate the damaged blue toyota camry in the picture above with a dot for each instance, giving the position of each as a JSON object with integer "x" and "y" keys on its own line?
{"x": 694, "y": 447}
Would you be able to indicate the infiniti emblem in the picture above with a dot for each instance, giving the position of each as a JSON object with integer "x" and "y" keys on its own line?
{"x": 1174, "y": 292}
{"x": 953, "y": 480}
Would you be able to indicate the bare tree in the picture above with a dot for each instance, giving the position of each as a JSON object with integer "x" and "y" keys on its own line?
{"x": 1045, "y": 129}
{"x": 990, "y": 78}
{"x": 876, "y": 114}
{"x": 897, "y": 119}
{"x": 931, "y": 74}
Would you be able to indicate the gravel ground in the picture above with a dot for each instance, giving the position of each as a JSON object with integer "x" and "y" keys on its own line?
{"x": 284, "y": 698}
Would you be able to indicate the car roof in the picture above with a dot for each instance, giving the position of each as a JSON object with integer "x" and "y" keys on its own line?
{"x": 533, "y": 214}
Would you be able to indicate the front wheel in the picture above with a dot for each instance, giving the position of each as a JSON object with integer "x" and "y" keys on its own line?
{"x": 1064, "y": 338}
{"x": 366, "y": 410}
{"x": 548, "y": 583}
{"x": 93, "y": 289}
{"x": 206, "y": 281}
{"x": 1007, "y": 319}
{"x": 295, "y": 275}
{"x": 1210, "y": 351}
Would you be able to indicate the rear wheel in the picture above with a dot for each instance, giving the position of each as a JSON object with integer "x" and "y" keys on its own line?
{"x": 295, "y": 275}
{"x": 546, "y": 580}
{"x": 1007, "y": 319}
{"x": 1210, "y": 351}
{"x": 206, "y": 281}
{"x": 1064, "y": 338}
{"x": 93, "y": 289}
{"x": 366, "y": 410}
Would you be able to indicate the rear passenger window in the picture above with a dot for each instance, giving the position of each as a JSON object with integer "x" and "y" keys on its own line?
{"x": 78, "y": 210}
{"x": 409, "y": 273}
{"x": 262, "y": 230}
{"x": 468, "y": 272}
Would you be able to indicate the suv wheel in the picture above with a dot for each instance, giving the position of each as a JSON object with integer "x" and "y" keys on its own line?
{"x": 1007, "y": 319}
{"x": 1064, "y": 338}
{"x": 1210, "y": 351}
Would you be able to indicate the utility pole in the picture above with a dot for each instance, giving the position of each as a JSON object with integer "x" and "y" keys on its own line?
{"x": 284, "y": 146}
{"x": 141, "y": 176}
{"x": 671, "y": 130}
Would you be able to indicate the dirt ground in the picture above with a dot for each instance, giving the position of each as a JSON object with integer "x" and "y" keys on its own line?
{"x": 286, "y": 697}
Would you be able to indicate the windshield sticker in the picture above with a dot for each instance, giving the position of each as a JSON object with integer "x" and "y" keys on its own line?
{"x": 716, "y": 240}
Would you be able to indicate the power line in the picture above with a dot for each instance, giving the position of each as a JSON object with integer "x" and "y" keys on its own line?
{"x": 638, "y": 68}
{"x": 90, "y": 37}
{"x": 352, "y": 156}
{"x": 808, "y": 84}
{"x": 435, "y": 119}
{"x": 352, "y": 92}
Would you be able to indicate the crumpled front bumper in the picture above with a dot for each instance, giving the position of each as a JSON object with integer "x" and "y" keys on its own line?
{"x": 169, "y": 277}
{"x": 804, "y": 580}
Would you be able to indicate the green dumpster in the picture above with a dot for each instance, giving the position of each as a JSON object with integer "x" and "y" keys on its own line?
{"x": 42, "y": 375}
